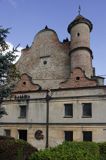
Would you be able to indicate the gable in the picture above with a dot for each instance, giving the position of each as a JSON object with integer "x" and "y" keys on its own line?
{"x": 25, "y": 84}
{"x": 47, "y": 60}
{"x": 78, "y": 79}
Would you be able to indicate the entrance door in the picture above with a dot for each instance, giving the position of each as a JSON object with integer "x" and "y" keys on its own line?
{"x": 23, "y": 134}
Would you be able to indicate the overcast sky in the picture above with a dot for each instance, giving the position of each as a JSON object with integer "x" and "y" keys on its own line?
{"x": 27, "y": 17}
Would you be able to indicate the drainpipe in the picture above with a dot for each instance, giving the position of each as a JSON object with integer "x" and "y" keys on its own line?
{"x": 48, "y": 97}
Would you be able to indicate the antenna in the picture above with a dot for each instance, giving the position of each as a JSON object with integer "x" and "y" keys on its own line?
{"x": 79, "y": 9}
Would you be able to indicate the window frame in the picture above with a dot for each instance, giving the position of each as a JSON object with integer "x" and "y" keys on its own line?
{"x": 68, "y": 136}
{"x": 23, "y": 134}
{"x": 23, "y": 114}
{"x": 86, "y": 112}
{"x": 68, "y": 107}
{"x": 89, "y": 138}
{"x": 6, "y": 131}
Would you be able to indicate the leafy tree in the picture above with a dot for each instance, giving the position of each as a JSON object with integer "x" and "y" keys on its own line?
{"x": 8, "y": 72}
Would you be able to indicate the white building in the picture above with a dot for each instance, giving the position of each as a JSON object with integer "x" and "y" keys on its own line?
{"x": 58, "y": 97}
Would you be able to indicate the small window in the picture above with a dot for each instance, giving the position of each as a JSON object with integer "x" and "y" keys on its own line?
{"x": 77, "y": 78}
{"x": 44, "y": 62}
{"x": 87, "y": 135}
{"x": 7, "y": 132}
{"x": 24, "y": 83}
{"x": 68, "y": 135}
{"x": 87, "y": 110}
{"x": 68, "y": 110}
{"x": 23, "y": 111}
{"x": 78, "y": 34}
{"x": 23, "y": 134}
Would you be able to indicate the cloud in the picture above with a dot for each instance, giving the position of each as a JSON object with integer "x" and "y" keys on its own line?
{"x": 10, "y": 45}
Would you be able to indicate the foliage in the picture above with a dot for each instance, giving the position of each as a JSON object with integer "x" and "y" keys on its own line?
{"x": 69, "y": 151}
{"x": 102, "y": 149}
{"x": 2, "y": 111}
{"x": 8, "y": 72}
{"x": 11, "y": 149}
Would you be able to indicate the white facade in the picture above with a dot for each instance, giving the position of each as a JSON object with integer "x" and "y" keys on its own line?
{"x": 58, "y": 96}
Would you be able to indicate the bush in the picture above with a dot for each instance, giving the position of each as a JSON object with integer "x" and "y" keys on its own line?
{"x": 69, "y": 151}
{"x": 11, "y": 149}
{"x": 102, "y": 149}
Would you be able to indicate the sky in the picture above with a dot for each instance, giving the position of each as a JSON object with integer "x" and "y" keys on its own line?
{"x": 27, "y": 17}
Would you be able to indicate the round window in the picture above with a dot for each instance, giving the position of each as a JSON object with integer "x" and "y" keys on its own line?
{"x": 24, "y": 83}
{"x": 77, "y": 78}
{"x": 78, "y": 34}
{"x": 44, "y": 62}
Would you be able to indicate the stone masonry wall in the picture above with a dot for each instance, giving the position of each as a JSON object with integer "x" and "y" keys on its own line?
{"x": 47, "y": 61}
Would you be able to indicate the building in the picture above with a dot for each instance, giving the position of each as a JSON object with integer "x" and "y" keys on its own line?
{"x": 58, "y": 97}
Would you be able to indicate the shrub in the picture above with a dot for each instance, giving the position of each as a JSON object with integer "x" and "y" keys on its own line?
{"x": 11, "y": 149}
{"x": 69, "y": 151}
{"x": 102, "y": 149}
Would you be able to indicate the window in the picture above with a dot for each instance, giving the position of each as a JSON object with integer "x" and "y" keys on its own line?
{"x": 23, "y": 134}
{"x": 78, "y": 34}
{"x": 44, "y": 62}
{"x": 77, "y": 78}
{"x": 87, "y": 135}
{"x": 87, "y": 110}
{"x": 68, "y": 110}
{"x": 68, "y": 135}
{"x": 7, "y": 132}
{"x": 45, "y": 59}
{"x": 23, "y": 111}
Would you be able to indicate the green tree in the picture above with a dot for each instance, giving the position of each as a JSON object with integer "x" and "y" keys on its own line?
{"x": 8, "y": 72}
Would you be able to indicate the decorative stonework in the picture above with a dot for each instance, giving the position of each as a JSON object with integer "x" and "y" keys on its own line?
{"x": 25, "y": 84}
{"x": 78, "y": 79}
{"x": 39, "y": 135}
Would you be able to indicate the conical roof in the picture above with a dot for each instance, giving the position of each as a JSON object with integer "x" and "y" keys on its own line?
{"x": 80, "y": 19}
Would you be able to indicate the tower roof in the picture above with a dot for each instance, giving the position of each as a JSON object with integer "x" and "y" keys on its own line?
{"x": 80, "y": 19}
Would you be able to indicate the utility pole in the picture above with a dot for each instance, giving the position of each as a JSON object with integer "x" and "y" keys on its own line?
{"x": 48, "y": 97}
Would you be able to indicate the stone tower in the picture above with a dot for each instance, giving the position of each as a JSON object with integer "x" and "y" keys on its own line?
{"x": 80, "y": 52}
